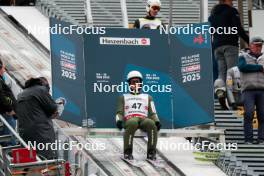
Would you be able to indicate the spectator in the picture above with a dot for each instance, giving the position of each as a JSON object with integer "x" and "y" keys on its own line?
{"x": 7, "y": 2}
{"x": 7, "y": 105}
{"x": 25, "y": 2}
{"x": 17, "y": 2}
{"x": 252, "y": 78}
{"x": 35, "y": 111}
{"x": 150, "y": 21}
{"x": 226, "y": 45}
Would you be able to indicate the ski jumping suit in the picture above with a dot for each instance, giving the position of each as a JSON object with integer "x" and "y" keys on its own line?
{"x": 137, "y": 112}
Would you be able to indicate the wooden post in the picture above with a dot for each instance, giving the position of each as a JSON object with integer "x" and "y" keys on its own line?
{"x": 250, "y": 7}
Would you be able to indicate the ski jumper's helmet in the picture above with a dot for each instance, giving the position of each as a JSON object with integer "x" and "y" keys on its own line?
{"x": 134, "y": 74}
{"x": 151, "y": 3}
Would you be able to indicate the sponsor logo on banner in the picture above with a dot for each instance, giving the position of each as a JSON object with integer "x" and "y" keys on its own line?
{"x": 191, "y": 68}
{"x": 68, "y": 65}
{"x": 124, "y": 41}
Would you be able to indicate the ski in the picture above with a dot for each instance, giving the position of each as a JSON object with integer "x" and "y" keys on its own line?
{"x": 205, "y": 159}
{"x": 206, "y": 156}
{"x": 156, "y": 163}
{"x": 134, "y": 162}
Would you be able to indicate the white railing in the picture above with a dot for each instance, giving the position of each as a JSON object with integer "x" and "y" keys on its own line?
{"x": 74, "y": 156}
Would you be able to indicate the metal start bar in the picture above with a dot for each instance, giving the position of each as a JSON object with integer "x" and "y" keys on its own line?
{"x": 162, "y": 133}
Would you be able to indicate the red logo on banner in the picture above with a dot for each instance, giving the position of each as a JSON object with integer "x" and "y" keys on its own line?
{"x": 144, "y": 41}
{"x": 68, "y": 65}
{"x": 198, "y": 39}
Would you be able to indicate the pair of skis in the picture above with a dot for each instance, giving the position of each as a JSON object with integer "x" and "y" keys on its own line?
{"x": 140, "y": 163}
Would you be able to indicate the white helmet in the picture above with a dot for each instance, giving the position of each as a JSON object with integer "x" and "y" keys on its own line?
{"x": 134, "y": 74}
{"x": 151, "y": 3}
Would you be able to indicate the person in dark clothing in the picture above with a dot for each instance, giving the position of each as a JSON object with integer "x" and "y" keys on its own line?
{"x": 7, "y": 105}
{"x": 6, "y": 2}
{"x": 251, "y": 66}
{"x": 25, "y": 2}
{"x": 17, "y": 2}
{"x": 150, "y": 21}
{"x": 35, "y": 111}
{"x": 225, "y": 42}
{"x": 225, "y": 15}
{"x": 226, "y": 45}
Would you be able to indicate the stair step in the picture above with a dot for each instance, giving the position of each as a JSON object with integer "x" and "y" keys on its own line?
{"x": 6, "y": 138}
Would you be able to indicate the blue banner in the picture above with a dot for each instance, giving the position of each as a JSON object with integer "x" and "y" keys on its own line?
{"x": 176, "y": 69}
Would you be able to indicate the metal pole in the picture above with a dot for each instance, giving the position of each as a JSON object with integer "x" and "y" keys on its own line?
{"x": 172, "y": 113}
{"x": 240, "y": 9}
{"x": 124, "y": 13}
{"x": 88, "y": 11}
{"x": 170, "y": 14}
{"x": 203, "y": 11}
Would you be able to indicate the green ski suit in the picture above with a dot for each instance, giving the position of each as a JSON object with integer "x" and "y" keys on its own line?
{"x": 137, "y": 112}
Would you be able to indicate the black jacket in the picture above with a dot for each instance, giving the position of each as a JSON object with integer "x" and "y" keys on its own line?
{"x": 34, "y": 110}
{"x": 223, "y": 15}
{"x": 7, "y": 98}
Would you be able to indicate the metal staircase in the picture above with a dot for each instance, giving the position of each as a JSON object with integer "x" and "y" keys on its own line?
{"x": 247, "y": 160}
{"x": 106, "y": 13}
{"x": 69, "y": 11}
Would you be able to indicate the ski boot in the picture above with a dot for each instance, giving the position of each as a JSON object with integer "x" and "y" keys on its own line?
{"x": 151, "y": 155}
{"x": 128, "y": 154}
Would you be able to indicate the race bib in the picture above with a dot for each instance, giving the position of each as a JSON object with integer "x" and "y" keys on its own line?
{"x": 150, "y": 24}
{"x": 135, "y": 106}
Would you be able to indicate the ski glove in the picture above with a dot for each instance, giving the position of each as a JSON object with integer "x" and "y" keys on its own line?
{"x": 158, "y": 125}
{"x": 8, "y": 101}
{"x": 61, "y": 102}
{"x": 119, "y": 124}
